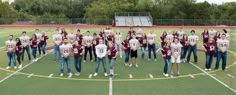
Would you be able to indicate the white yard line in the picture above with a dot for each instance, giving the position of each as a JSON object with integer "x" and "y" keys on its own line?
{"x": 30, "y": 75}
{"x": 19, "y": 70}
{"x": 110, "y": 86}
{"x": 50, "y": 76}
{"x": 214, "y": 78}
{"x": 191, "y": 76}
{"x": 231, "y": 76}
{"x": 90, "y": 76}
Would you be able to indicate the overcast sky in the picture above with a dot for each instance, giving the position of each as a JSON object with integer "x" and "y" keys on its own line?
{"x": 217, "y": 1}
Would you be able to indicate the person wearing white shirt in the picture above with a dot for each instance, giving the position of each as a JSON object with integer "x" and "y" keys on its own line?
{"x": 212, "y": 33}
{"x": 151, "y": 39}
{"x": 134, "y": 44}
{"x": 57, "y": 40}
{"x": 139, "y": 33}
{"x": 169, "y": 37}
{"x": 65, "y": 50}
{"x": 101, "y": 51}
{"x": 180, "y": 34}
{"x": 223, "y": 46}
{"x": 38, "y": 35}
{"x": 193, "y": 41}
{"x": 25, "y": 40}
{"x": 10, "y": 46}
{"x": 175, "y": 55}
{"x": 118, "y": 40}
{"x": 87, "y": 40}
{"x": 72, "y": 37}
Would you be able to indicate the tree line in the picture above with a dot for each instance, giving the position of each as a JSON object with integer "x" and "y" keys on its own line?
{"x": 105, "y": 9}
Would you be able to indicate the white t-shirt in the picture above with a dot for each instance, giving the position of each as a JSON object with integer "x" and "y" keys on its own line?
{"x": 223, "y": 43}
{"x": 24, "y": 40}
{"x": 169, "y": 38}
{"x": 71, "y": 37}
{"x": 66, "y": 48}
{"x": 212, "y": 33}
{"x": 57, "y": 38}
{"x": 180, "y": 34}
{"x": 192, "y": 39}
{"x": 107, "y": 32}
{"x": 139, "y": 32}
{"x": 39, "y": 35}
{"x": 10, "y": 44}
{"x": 134, "y": 43}
{"x": 101, "y": 50}
{"x": 118, "y": 39}
{"x": 175, "y": 48}
{"x": 88, "y": 40}
{"x": 151, "y": 38}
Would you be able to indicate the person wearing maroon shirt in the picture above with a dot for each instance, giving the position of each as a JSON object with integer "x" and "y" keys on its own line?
{"x": 95, "y": 43}
{"x": 131, "y": 32}
{"x": 216, "y": 37}
{"x": 110, "y": 38}
{"x": 79, "y": 37}
{"x": 102, "y": 34}
{"x": 209, "y": 48}
{"x": 43, "y": 42}
{"x": 126, "y": 48}
{"x": 166, "y": 54}
{"x": 78, "y": 51}
{"x": 184, "y": 43}
{"x": 205, "y": 36}
{"x": 143, "y": 44}
{"x": 34, "y": 44}
{"x": 175, "y": 35}
{"x": 63, "y": 33}
{"x": 19, "y": 52}
{"x": 162, "y": 38}
{"x": 112, "y": 54}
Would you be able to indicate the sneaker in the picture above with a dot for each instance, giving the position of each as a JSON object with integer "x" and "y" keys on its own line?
{"x": 155, "y": 60}
{"x": 178, "y": 73}
{"x": 70, "y": 75}
{"x": 209, "y": 69}
{"x": 15, "y": 67}
{"x": 130, "y": 65}
{"x": 77, "y": 74}
{"x": 36, "y": 59}
{"x": 120, "y": 56}
{"x": 166, "y": 75}
{"x": 126, "y": 64}
{"x": 84, "y": 61}
{"x": 95, "y": 74}
{"x": 61, "y": 75}
{"x": 91, "y": 60}
{"x": 171, "y": 76}
{"x": 20, "y": 66}
{"x": 136, "y": 65}
{"x": 8, "y": 67}
{"x": 206, "y": 69}
{"x": 105, "y": 74}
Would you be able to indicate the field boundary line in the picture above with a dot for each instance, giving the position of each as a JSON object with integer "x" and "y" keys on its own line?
{"x": 214, "y": 78}
{"x": 110, "y": 86}
{"x": 20, "y": 69}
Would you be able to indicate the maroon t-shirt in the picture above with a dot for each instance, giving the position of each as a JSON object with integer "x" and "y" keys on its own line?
{"x": 166, "y": 51}
{"x": 142, "y": 41}
{"x": 19, "y": 49}
{"x": 184, "y": 43}
{"x": 110, "y": 38}
{"x": 95, "y": 42}
{"x": 33, "y": 43}
{"x": 44, "y": 40}
{"x": 77, "y": 50}
{"x": 111, "y": 52}
{"x": 102, "y": 34}
{"x": 163, "y": 37}
{"x": 216, "y": 37}
{"x": 210, "y": 47}
{"x": 205, "y": 36}
{"x": 125, "y": 43}
{"x": 130, "y": 33}
{"x": 79, "y": 38}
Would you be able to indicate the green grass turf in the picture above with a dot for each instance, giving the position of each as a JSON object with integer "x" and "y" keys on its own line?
{"x": 140, "y": 84}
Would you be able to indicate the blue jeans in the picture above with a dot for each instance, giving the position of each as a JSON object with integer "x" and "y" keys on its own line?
{"x": 118, "y": 47}
{"x": 103, "y": 64}
{"x": 127, "y": 56}
{"x": 194, "y": 50}
{"x": 43, "y": 48}
{"x": 143, "y": 51}
{"x": 209, "y": 59}
{"x": 220, "y": 56}
{"x": 27, "y": 48}
{"x": 67, "y": 61}
{"x": 78, "y": 64}
{"x": 11, "y": 57}
{"x": 183, "y": 53}
{"x": 19, "y": 58}
{"x": 166, "y": 66}
{"x": 153, "y": 49}
{"x": 39, "y": 47}
{"x": 112, "y": 62}
{"x": 34, "y": 50}
{"x": 56, "y": 54}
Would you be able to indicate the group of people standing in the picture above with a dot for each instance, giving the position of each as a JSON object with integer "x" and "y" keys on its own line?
{"x": 106, "y": 44}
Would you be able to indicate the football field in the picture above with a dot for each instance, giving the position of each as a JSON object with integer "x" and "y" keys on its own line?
{"x": 42, "y": 77}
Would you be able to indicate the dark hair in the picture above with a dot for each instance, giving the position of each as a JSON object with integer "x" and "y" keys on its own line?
{"x": 18, "y": 43}
{"x": 23, "y": 32}
{"x": 78, "y": 30}
{"x": 192, "y": 31}
{"x": 94, "y": 34}
{"x": 11, "y": 35}
{"x": 88, "y": 31}
{"x": 223, "y": 34}
{"x": 34, "y": 35}
{"x": 225, "y": 31}
{"x": 36, "y": 29}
